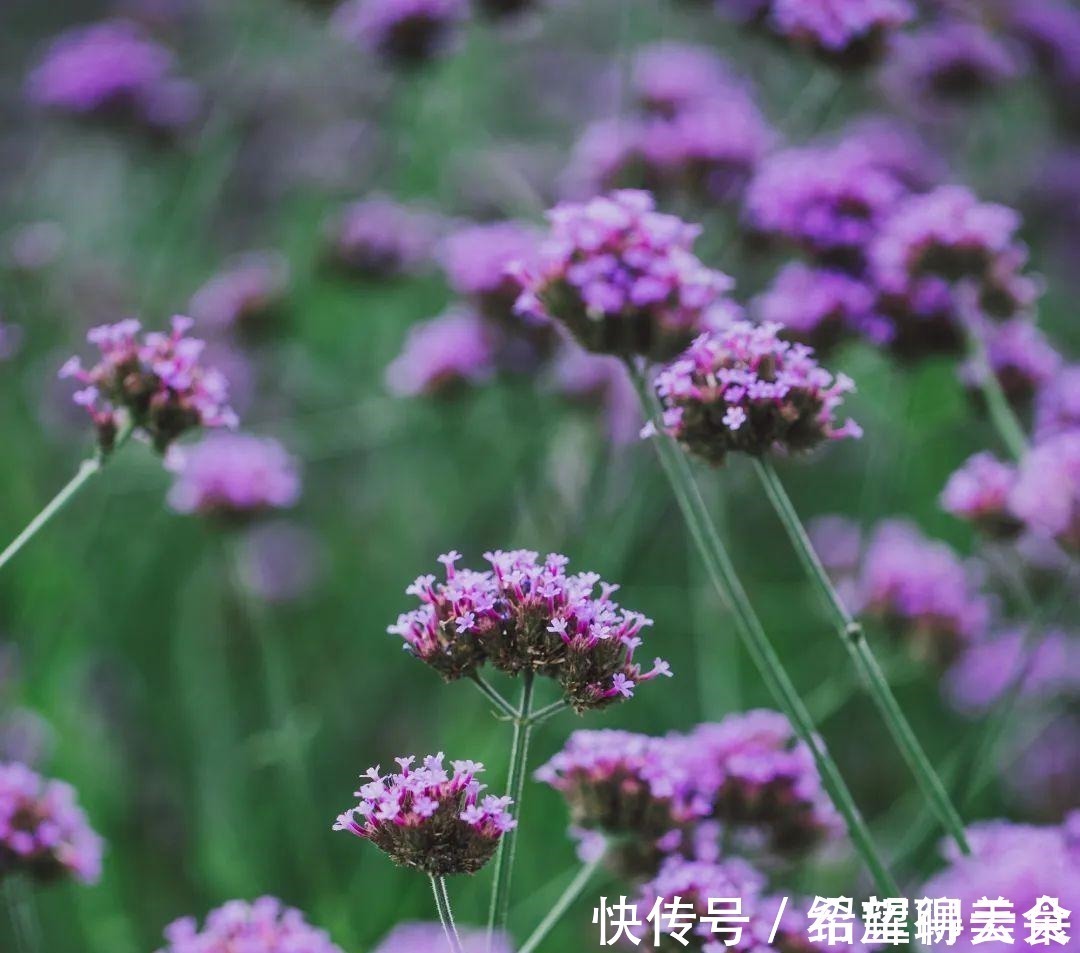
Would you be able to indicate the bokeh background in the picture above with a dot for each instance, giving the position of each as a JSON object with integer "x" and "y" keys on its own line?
{"x": 214, "y": 717}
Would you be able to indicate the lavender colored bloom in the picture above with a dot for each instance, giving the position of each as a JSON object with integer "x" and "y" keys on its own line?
{"x": 1021, "y": 863}
{"x": 896, "y": 147}
{"x": 380, "y": 238}
{"x": 476, "y": 261}
{"x": 43, "y": 832}
{"x": 280, "y": 561}
{"x": 1051, "y": 33}
{"x": 597, "y": 378}
{"x": 157, "y": 381}
{"x": 837, "y": 541}
{"x": 1057, "y": 407}
{"x": 262, "y": 926}
{"x": 845, "y": 32}
{"x": 1046, "y": 778}
{"x": 622, "y": 277}
{"x": 247, "y": 294}
{"x": 924, "y": 319}
{"x": 35, "y": 246}
{"x": 233, "y": 476}
{"x": 429, "y": 819}
{"x": 528, "y": 614}
{"x": 922, "y": 591}
{"x": 439, "y": 355}
{"x": 744, "y": 390}
{"x": 405, "y": 33}
{"x": 1019, "y": 355}
{"x": 1050, "y": 661}
{"x": 979, "y": 493}
{"x": 1047, "y": 492}
{"x": 669, "y": 76}
{"x": 425, "y": 937}
{"x": 112, "y": 69}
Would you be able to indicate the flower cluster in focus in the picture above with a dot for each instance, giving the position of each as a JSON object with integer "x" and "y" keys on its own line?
{"x": 262, "y": 926}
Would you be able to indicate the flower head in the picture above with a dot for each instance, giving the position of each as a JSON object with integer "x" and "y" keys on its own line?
{"x": 429, "y": 818}
{"x": 405, "y": 33}
{"x": 743, "y": 389}
{"x": 845, "y": 32}
{"x": 622, "y": 276}
{"x": 245, "y": 295}
{"x": 1047, "y": 492}
{"x": 380, "y": 238}
{"x": 457, "y": 347}
{"x": 529, "y": 615}
{"x": 1019, "y": 356}
{"x": 476, "y": 261}
{"x": 262, "y": 926}
{"x": 43, "y": 832}
{"x": 425, "y": 937}
{"x": 979, "y": 492}
{"x": 1057, "y": 407}
{"x": 669, "y": 76}
{"x": 233, "y": 475}
{"x": 156, "y": 379}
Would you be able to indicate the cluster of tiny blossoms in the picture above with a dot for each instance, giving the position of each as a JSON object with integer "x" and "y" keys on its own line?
{"x": 155, "y": 379}
{"x": 263, "y": 926}
{"x": 623, "y": 277}
{"x": 743, "y": 389}
{"x": 43, "y": 832}
{"x": 429, "y": 819}
{"x": 528, "y": 615}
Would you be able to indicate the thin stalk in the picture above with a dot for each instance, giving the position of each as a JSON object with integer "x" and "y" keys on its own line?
{"x": 548, "y": 711}
{"x": 24, "y": 919}
{"x": 854, "y": 639}
{"x": 723, "y": 576}
{"x": 1002, "y": 416}
{"x": 566, "y": 899}
{"x": 499, "y": 909}
{"x": 493, "y": 696}
{"x": 89, "y": 468}
{"x": 446, "y": 914}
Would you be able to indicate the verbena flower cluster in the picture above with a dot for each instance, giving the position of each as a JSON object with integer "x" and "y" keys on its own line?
{"x": 155, "y": 381}
{"x": 439, "y": 355}
{"x": 476, "y": 259}
{"x": 405, "y": 33}
{"x": 261, "y": 926}
{"x": 44, "y": 834}
{"x": 743, "y": 389}
{"x": 428, "y": 818}
{"x": 527, "y": 614}
{"x": 377, "y": 237}
{"x": 247, "y": 295}
{"x": 847, "y": 32}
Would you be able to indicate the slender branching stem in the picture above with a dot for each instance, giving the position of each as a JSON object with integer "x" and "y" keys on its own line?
{"x": 548, "y": 711}
{"x": 566, "y": 900}
{"x": 446, "y": 914}
{"x": 854, "y": 639}
{"x": 725, "y": 579}
{"x": 492, "y": 695}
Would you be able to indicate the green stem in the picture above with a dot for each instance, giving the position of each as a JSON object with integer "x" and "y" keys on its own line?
{"x": 24, "y": 919}
{"x": 499, "y": 909}
{"x": 566, "y": 899}
{"x": 446, "y": 914}
{"x": 493, "y": 696}
{"x": 548, "y": 711}
{"x": 723, "y": 576}
{"x": 854, "y": 640}
{"x": 1002, "y": 416}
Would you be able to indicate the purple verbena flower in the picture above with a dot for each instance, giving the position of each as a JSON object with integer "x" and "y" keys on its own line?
{"x": 669, "y": 76}
{"x": 43, "y": 832}
{"x": 1046, "y": 777}
{"x": 455, "y": 348}
{"x": 1057, "y": 407}
{"x": 979, "y": 493}
{"x": 743, "y": 389}
{"x": 1047, "y": 491}
{"x": 261, "y": 926}
{"x": 405, "y": 33}
{"x": 377, "y": 237}
{"x": 246, "y": 295}
{"x": 1019, "y": 356}
{"x": 425, "y": 937}
{"x": 848, "y": 33}
{"x": 156, "y": 381}
{"x": 428, "y": 818}
{"x": 476, "y": 260}
{"x": 897, "y": 147}
{"x": 233, "y": 476}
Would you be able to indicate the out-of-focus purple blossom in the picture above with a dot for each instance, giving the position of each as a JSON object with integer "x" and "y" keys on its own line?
{"x": 921, "y": 590}
{"x": 43, "y": 832}
{"x": 35, "y": 245}
{"x": 622, "y": 277}
{"x": 1047, "y": 491}
{"x": 280, "y": 561}
{"x": 1050, "y": 662}
{"x": 979, "y": 493}
{"x": 744, "y": 390}
{"x": 896, "y": 147}
{"x": 821, "y": 307}
{"x": 584, "y": 376}
{"x": 925, "y": 319}
{"x": 262, "y": 926}
{"x": 11, "y": 338}
{"x": 425, "y": 937}
{"x": 607, "y": 155}
{"x": 429, "y": 819}
{"x": 405, "y": 33}
{"x": 233, "y": 476}
{"x": 113, "y": 70}
{"x": 458, "y": 347}
{"x": 377, "y": 237}
{"x": 476, "y": 260}
{"x": 245, "y": 295}
{"x": 669, "y": 76}
{"x": 1046, "y": 776}
{"x": 25, "y": 737}
{"x": 846, "y": 32}
{"x": 157, "y": 380}
{"x": 837, "y": 541}
{"x": 1051, "y": 33}
{"x": 1021, "y": 863}
{"x": 1019, "y": 355}
{"x": 527, "y": 614}
{"x": 1057, "y": 407}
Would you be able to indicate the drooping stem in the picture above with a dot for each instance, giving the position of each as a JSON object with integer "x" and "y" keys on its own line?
{"x": 499, "y": 909}
{"x": 566, "y": 899}
{"x": 493, "y": 696}
{"x": 446, "y": 915}
{"x": 854, "y": 639}
{"x": 725, "y": 579}
{"x": 23, "y": 914}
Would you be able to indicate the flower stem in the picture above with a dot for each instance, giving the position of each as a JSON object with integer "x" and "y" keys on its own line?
{"x": 23, "y": 914}
{"x": 566, "y": 899}
{"x": 446, "y": 915}
{"x": 1002, "y": 416}
{"x": 87, "y": 469}
{"x": 492, "y": 695}
{"x": 515, "y": 787}
{"x": 725, "y": 579}
{"x": 548, "y": 711}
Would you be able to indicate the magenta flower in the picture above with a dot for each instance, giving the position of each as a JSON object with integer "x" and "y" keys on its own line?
{"x": 846, "y": 32}
{"x": 669, "y": 76}
{"x": 456, "y": 348}
{"x": 154, "y": 382}
{"x": 476, "y": 260}
{"x": 426, "y": 937}
{"x": 246, "y": 295}
{"x": 622, "y": 277}
{"x": 43, "y": 831}
{"x": 380, "y": 238}
{"x": 525, "y": 614}
{"x": 405, "y": 33}
{"x": 1019, "y": 356}
{"x": 429, "y": 819}
{"x": 233, "y": 476}
{"x": 1057, "y": 407}
{"x": 1047, "y": 492}
{"x": 979, "y": 493}
{"x": 744, "y": 390}
{"x": 262, "y": 926}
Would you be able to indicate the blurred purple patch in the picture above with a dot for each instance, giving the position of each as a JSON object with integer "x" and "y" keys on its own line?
{"x": 405, "y": 33}
{"x": 281, "y": 560}
{"x": 439, "y": 355}
{"x": 427, "y": 937}
{"x": 1046, "y": 777}
{"x": 1019, "y": 355}
{"x": 262, "y": 926}
{"x": 378, "y": 237}
{"x": 848, "y": 33}
{"x": 476, "y": 260}
{"x": 246, "y": 295}
{"x": 979, "y": 493}
{"x": 1047, "y": 492}
{"x": 1057, "y": 408}
{"x": 597, "y": 378}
